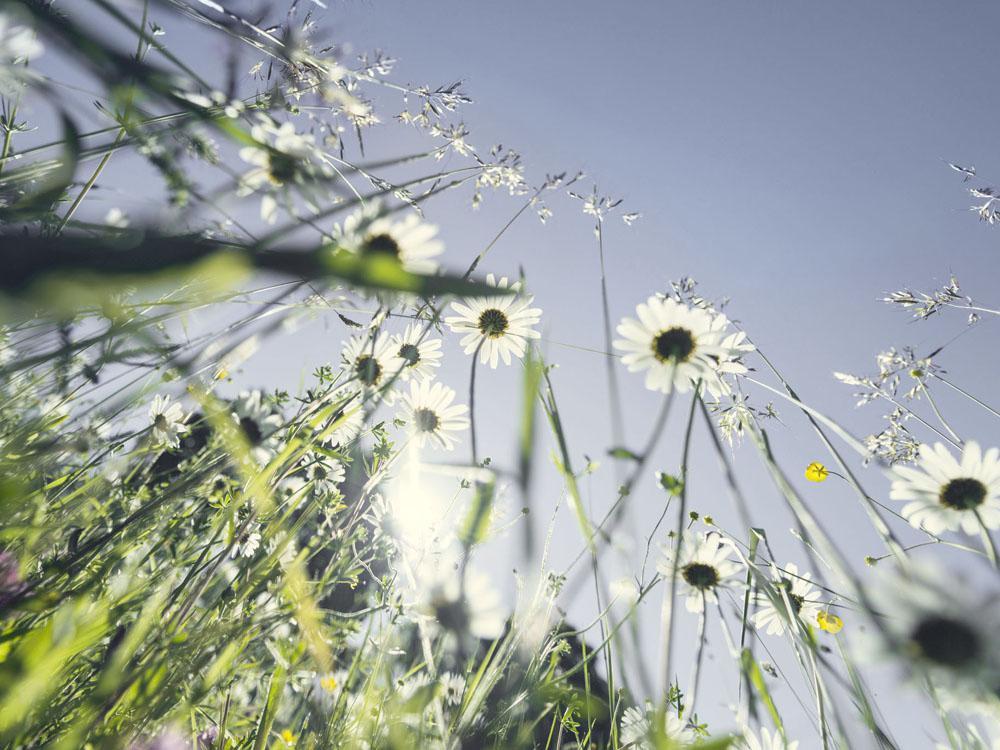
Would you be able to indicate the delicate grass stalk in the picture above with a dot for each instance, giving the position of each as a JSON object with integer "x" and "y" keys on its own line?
{"x": 989, "y": 545}
{"x": 968, "y": 395}
{"x": 667, "y": 618}
{"x": 939, "y": 415}
{"x": 701, "y": 638}
{"x": 472, "y": 404}
{"x": 615, "y": 400}
{"x": 888, "y": 538}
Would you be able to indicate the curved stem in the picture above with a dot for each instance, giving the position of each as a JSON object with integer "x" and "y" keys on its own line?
{"x": 693, "y": 692}
{"x": 671, "y": 592}
{"x": 472, "y": 403}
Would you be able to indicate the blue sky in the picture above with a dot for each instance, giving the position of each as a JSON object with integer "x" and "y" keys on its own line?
{"x": 790, "y": 156}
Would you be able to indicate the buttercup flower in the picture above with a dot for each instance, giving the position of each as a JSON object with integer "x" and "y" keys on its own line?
{"x": 817, "y": 472}
{"x": 498, "y": 326}
{"x": 829, "y": 622}
{"x": 167, "y": 422}
{"x": 679, "y": 345}
{"x": 772, "y": 617}
{"x": 945, "y": 494}
{"x": 431, "y": 416}
{"x": 704, "y": 567}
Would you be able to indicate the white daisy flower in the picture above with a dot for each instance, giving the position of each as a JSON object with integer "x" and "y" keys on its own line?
{"x": 946, "y": 628}
{"x": 452, "y": 688}
{"x": 637, "y": 725}
{"x": 474, "y": 609}
{"x": 274, "y": 166}
{"x": 167, "y": 422}
{"x": 17, "y": 42}
{"x": 419, "y": 354}
{"x": 704, "y": 567}
{"x": 803, "y": 597}
{"x": 946, "y": 494}
{"x": 431, "y": 416}
{"x": 248, "y": 544}
{"x": 259, "y": 425}
{"x": 498, "y": 326}
{"x": 625, "y": 591}
{"x": 324, "y": 473}
{"x": 116, "y": 218}
{"x": 372, "y": 363}
{"x": 349, "y": 417}
{"x": 766, "y": 740}
{"x": 678, "y": 345}
{"x": 409, "y": 240}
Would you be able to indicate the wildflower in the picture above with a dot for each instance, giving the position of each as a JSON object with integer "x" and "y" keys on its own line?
{"x": 325, "y": 474}
{"x": 430, "y": 414}
{"x": 17, "y": 42}
{"x": 419, "y": 354}
{"x": 945, "y": 494}
{"x": 10, "y": 577}
{"x": 207, "y": 738}
{"x": 275, "y": 164}
{"x": 327, "y": 688}
{"x": 945, "y": 629}
{"x": 772, "y": 614}
{"x": 288, "y": 737}
{"x": 498, "y": 326}
{"x": 637, "y": 725}
{"x": 452, "y": 688}
{"x": 167, "y": 422}
{"x": 259, "y": 425}
{"x": 829, "y": 622}
{"x": 349, "y": 418}
{"x": 625, "y": 590}
{"x": 766, "y": 740}
{"x": 409, "y": 241}
{"x": 475, "y": 609}
{"x": 817, "y": 472}
{"x": 372, "y": 362}
{"x": 704, "y": 567}
{"x": 680, "y": 345}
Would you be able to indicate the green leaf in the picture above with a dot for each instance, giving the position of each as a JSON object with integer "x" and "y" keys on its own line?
{"x": 477, "y": 521}
{"x": 624, "y": 453}
{"x": 752, "y": 670}
{"x": 87, "y": 268}
{"x": 673, "y": 485}
{"x": 270, "y": 708}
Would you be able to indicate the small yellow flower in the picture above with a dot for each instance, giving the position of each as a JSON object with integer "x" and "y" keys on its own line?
{"x": 829, "y": 622}
{"x": 817, "y": 472}
{"x": 328, "y": 683}
{"x": 288, "y": 737}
